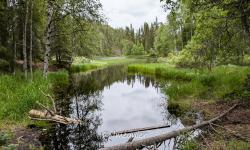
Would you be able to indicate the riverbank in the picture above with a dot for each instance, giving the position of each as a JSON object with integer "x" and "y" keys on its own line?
{"x": 189, "y": 90}
{"x": 18, "y": 96}
{"x": 82, "y": 64}
{"x": 208, "y": 85}
{"x": 208, "y": 92}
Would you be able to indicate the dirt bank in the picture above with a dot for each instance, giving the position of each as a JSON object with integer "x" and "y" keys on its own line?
{"x": 232, "y": 132}
{"x": 22, "y": 138}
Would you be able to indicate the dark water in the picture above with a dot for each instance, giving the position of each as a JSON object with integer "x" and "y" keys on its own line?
{"x": 109, "y": 100}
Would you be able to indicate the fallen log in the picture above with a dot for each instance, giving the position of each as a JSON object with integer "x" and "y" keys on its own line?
{"x": 161, "y": 138}
{"x": 51, "y": 116}
{"x": 138, "y": 130}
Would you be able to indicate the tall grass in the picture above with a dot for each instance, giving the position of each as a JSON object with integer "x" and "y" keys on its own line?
{"x": 83, "y": 66}
{"x": 18, "y": 96}
{"x": 203, "y": 84}
{"x": 86, "y": 67}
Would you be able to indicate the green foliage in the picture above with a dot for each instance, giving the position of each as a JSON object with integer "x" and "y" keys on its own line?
{"x": 230, "y": 145}
{"x": 18, "y": 96}
{"x": 137, "y": 49}
{"x": 187, "y": 57}
{"x": 163, "y": 41}
{"x": 5, "y": 59}
{"x": 246, "y": 60}
{"x": 80, "y": 60}
{"x": 190, "y": 145}
{"x": 4, "y": 138}
{"x": 238, "y": 145}
{"x": 85, "y": 67}
{"x": 203, "y": 84}
{"x": 59, "y": 78}
{"x": 207, "y": 33}
{"x": 101, "y": 63}
{"x": 127, "y": 46}
{"x": 4, "y": 65}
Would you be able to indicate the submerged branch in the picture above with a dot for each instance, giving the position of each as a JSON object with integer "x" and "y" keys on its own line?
{"x": 139, "y": 129}
{"x": 161, "y": 138}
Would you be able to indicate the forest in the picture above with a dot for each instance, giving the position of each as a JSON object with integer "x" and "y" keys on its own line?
{"x": 65, "y": 71}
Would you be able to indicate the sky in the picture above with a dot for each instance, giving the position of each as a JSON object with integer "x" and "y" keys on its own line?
{"x": 121, "y": 13}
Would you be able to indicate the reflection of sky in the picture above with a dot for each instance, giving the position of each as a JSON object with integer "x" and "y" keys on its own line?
{"x": 127, "y": 107}
{"x": 133, "y": 103}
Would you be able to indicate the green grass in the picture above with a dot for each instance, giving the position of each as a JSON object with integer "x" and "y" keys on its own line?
{"x": 216, "y": 145}
{"x": 229, "y": 145}
{"x": 98, "y": 63}
{"x": 18, "y": 96}
{"x": 187, "y": 85}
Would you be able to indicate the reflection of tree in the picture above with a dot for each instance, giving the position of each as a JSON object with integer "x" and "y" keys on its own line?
{"x": 82, "y": 106}
{"x": 147, "y": 81}
{"x": 82, "y": 99}
{"x": 97, "y": 80}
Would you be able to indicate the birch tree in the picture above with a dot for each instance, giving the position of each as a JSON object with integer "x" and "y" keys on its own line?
{"x": 47, "y": 37}
{"x": 25, "y": 68}
{"x": 80, "y": 11}
{"x": 31, "y": 39}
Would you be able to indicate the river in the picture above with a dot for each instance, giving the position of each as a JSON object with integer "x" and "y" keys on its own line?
{"x": 109, "y": 100}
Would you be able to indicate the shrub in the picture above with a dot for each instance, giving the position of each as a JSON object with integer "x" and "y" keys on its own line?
{"x": 81, "y": 60}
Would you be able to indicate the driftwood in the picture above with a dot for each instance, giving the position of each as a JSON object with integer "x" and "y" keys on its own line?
{"x": 51, "y": 116}
{"x": 161, "y": 138}
{"x": 139, "y": 129}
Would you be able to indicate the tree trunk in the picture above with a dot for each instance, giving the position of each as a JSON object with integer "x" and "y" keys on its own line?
{"x": 51, "y": 116}
{"x": 139, "y": 130}
{"x": 47, "y": 38}
{"x": 161, "y": 138}
{"x": 14, "y": 39}
{"x": 31, "y": 39}
{"x": 25, "y": 40}
{"x": 14, "y": 58}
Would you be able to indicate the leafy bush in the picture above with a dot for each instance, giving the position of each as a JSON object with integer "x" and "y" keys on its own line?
{"x": 127, "y": 46}
{"x": 85, "y": 67}
{"x": 246, "y": 60}
{"x": 4, "y": 138}
{"x": 5, "y": 58}
{"x": 137, "y": 49}
{"x": 4, "y": 65}
{"x": 81, "y": 60}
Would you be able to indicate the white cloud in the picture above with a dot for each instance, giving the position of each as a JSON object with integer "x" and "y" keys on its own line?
{"x": 121, "y": 13}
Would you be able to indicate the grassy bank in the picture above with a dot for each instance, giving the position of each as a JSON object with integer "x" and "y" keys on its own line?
{"x": 83, "y": 64}
{"x": 188, "y": 85}
{"x": 18, "y": 95}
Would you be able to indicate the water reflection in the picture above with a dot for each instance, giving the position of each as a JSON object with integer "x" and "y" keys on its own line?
{"x": 108, "y": 100}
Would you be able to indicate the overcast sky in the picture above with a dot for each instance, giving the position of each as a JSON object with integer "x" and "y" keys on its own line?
{"x": 121, "y": 13}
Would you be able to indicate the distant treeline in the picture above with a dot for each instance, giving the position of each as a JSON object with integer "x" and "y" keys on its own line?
{"x": 197, "y": 33}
